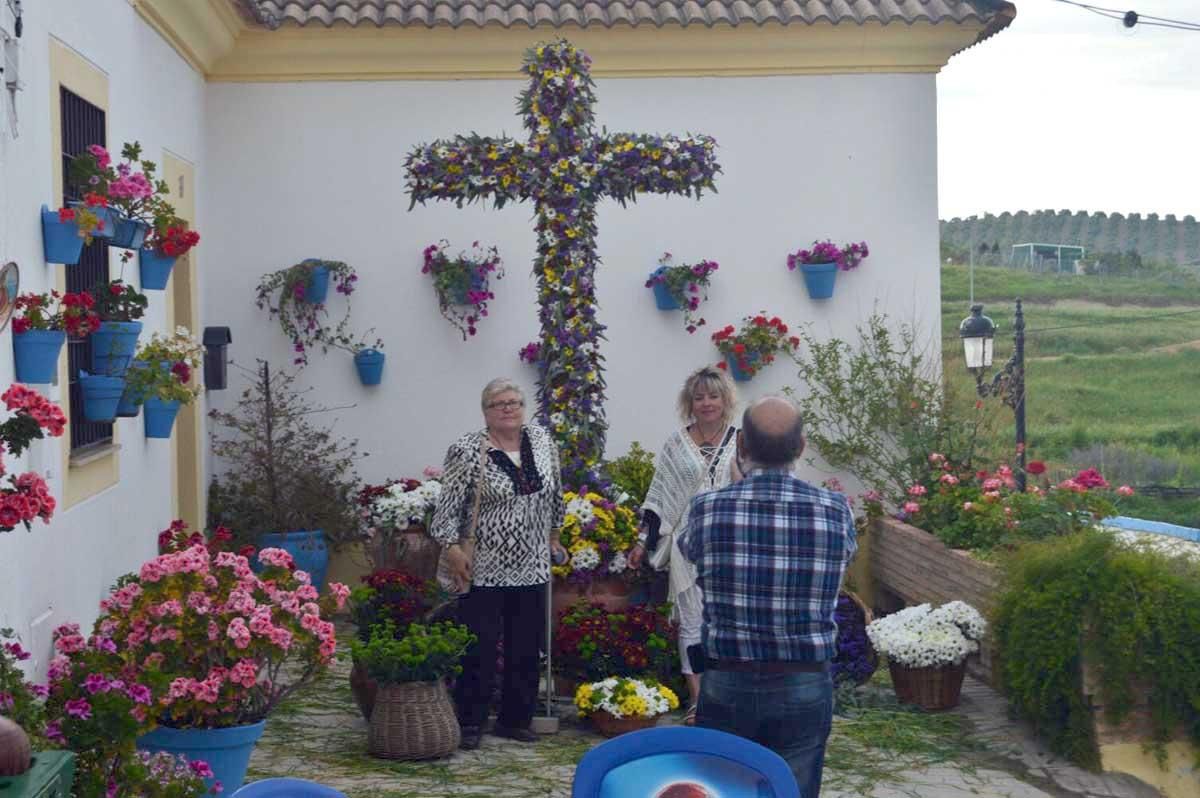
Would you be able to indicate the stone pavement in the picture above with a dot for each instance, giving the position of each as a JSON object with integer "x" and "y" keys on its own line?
{"x": 319, "y": 735}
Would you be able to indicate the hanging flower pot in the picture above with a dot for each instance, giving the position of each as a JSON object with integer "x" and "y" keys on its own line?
{"x": 60, "y": 239}
{"x": 819, "y": 279}
{"x": 227, "y": 751}
{"x": 737, "y": 372}
{"x": 101, "y": 395}
{"x": 129, "y": 233}
{"x": 113, "y": 346}
{"x": 36, "y": 354}
{"x": 160, "y": 417}
{"x": 459, "y": 294}
{"x": 106, "y": 216}
{"x": 317, "y": 288}
{"x": 129, "y": 406}
{"x": 155, "y": 269}
{"x": 662, "y": 295}
{"x": 369, "y": 363}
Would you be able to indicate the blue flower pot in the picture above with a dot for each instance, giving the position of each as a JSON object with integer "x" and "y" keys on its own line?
{"x": 129, "y": 406}
{"x": 662, "y": 297}
{"x": 160, "y": 417}
{"x": 129, "y": 233}
{"x": 60, "y": 240}
{"x": 113, "y": 346}
{"x": 318, "y": 285}
{"x": 36, "y": 354}
{"x": 369, "y": 363}
{"x": 106, "y": 215}
{"x": 458, "y": 296}
{"x": 101, "y": 395}
{"x": 227, "y": 751}
{"x": 307, "y": 549}
{"x": 155, "y": 269}
{"x": 819, "y": 279}
{"x": 736, "y": 372}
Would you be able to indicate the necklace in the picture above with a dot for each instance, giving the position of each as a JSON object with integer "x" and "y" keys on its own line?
{"x": 709, "y": 441}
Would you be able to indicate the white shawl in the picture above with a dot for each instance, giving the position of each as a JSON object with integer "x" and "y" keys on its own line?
{"x": 681, "y": 472}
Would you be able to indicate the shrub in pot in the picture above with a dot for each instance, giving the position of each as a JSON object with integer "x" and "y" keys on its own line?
{"x": 164, "y": 381}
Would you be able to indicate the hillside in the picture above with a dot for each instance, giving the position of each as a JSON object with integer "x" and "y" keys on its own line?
{"x": 1157, "y": 240}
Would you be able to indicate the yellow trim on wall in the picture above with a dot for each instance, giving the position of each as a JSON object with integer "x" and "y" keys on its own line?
{"x": 1176, "y": 779}
{"x": 68, "y": 68}
{"x": 211, "y": 37}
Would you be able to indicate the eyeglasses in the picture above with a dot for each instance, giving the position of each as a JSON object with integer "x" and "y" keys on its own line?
{"x": 511, "y": 404}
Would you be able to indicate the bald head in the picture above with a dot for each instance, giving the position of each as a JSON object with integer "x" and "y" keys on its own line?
{"x": 773, "y": 432}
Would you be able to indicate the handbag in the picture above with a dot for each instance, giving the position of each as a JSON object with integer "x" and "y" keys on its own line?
{"x": 468, "y": 539}
{"x": 660, "y": 558}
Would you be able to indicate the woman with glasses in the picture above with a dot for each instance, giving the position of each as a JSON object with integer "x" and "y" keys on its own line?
{"x": 515, "y": 468}
{"x": 700, "y": 456}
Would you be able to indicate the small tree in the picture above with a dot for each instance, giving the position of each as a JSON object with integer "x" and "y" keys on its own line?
{"x": 281, "y": 472}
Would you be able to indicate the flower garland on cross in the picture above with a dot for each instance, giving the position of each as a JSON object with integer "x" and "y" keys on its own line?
{"x": 565, "y": 168}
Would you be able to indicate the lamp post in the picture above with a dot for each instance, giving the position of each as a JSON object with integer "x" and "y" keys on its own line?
{"x": 978, "y": 332}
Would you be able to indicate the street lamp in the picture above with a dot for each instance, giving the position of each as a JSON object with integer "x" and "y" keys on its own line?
{"x": 978, "y": 332}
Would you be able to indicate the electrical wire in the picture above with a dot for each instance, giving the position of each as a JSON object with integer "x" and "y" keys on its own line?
{"x": 1132, "y": 18}
{"x": 1111, "y": 321}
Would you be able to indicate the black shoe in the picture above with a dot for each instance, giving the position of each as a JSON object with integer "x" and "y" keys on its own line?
{"x": 520, "y": 735}
{"x": 471, "y": 737}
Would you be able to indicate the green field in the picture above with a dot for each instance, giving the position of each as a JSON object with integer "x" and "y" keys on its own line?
{"x": 1119, "y": 389}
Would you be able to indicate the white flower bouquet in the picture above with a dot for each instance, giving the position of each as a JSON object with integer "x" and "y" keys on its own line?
{"x": 924, "y": 637}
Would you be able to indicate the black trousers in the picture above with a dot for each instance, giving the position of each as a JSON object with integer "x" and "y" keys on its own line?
{"x": 519, "y": 614}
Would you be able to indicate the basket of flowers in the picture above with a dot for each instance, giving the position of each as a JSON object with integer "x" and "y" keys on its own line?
{"x": 617, "y": 705}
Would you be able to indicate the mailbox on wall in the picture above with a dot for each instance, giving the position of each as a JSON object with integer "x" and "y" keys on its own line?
{"x": 216, "y": 362}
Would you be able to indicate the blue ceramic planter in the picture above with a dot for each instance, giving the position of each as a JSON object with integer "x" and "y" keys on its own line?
{"x": 737, "y": 373}
{"x": 819, "y": 279}
{"x": 101, "y": 395}
{"x": 662, "y": 297}
{"x": 307, "y": 549}
{"x": 60, "y": 240}
{"x": 318, "y": 286}
{"x": 227, "y": 751}
{"x": 459, "y": 295}
{"x": 369, "y": 363}
{"x": 107, "y": 216}
{"x": 129, "y": 406}
{"x": 155, "y": 269}
{"x": 36, "y": 354}
{"x": 160, "y": 417}
{"x": 129, "y": 233}
{"x": 113, "y": 346}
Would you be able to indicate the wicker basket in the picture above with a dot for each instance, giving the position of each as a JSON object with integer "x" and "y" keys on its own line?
{"x": 611, "y": 726}
{"x": 364, "y": 689}
{"x": 929, "y": 688}
{"x": 413, "y": 720}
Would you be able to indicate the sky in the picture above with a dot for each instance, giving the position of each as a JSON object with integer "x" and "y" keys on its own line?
{"x": 1066, "y": 109}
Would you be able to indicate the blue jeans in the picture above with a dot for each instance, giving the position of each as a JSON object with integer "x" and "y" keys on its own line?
{"x": 790, "y": 713}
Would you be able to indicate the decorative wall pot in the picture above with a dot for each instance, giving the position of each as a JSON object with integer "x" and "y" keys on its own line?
{"x": 307, "y": 548}
{"x": 101, "y": 395}
{"x": 413, "y": 720}
{"x": 369, "y": 363}
{"x": 129, "y": 406}
{"x": 113, "y": 346}
{"x": 129, "y": 233}
{"x": 227, "y": 751}
{"x": 317, "y": 288}
{"x": 736, "y": 372}
{"x": 60, "y": 240}
{"x": 35, "y": 353}
{"x": 107, "y": 216}
{"x": 155, "y": 269}
{"x": 160, "y": 417}
{"x": 819, "y": 279}
{"x": 458, "y": 294}
{"x": 662, "y": 297}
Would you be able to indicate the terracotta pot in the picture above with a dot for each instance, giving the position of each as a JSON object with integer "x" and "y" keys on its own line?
{"x": 928, "y": 688}
{"x": 412, "y": 550}
{"x": 15, "y": 752}
{"x": 612, "y": 592}
{"x": 364, "y": 688}
{"x": 611, "y": 726}
{"x": 565, "y": 687}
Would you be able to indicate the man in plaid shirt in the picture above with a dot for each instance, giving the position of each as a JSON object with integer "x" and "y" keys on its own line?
{"x": 770, "y": 552}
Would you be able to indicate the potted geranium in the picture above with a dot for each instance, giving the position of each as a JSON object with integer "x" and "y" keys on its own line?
{"x": 119, "y": 306}
{"x": 67, "y": 230}
{"x": 26, "y": 497}
{"x": 41, "y": 327}
{"x": 592, "y": 642}
{"x": 617, "y": 705}
{"x": 193, "y": 653}
{"x": 463, "y": 283}
{"x": 680, "y": 287}
{"x": 162, "y": 248}
{"x": 927, "y": 650}
{"x": 755, "y": 345}
{"x": 395, "y": 517}
{"x": 597, "y": 534}
{"x": 821, "y": 264}
{"x": 161, "y": 379}
{"x": 413, "y": 717}
{"x": 131, "y": 189}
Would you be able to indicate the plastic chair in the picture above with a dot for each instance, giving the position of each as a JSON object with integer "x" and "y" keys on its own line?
{"x": 682, "y": 762}
{"x": 287, "y": 788}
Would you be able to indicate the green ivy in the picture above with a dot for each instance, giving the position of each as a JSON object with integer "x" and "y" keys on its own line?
{"x": 1133, "y": 613}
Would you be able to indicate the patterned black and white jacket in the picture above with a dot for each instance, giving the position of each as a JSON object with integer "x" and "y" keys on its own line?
{"x": 521, "y": 507}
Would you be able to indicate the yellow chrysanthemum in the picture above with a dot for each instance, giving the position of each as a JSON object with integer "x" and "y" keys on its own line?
{"x": 669, "y": 694}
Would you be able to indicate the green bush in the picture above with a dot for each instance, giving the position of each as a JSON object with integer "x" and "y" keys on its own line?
{"x": 421, "y": 654}
{"x": 631, "y": 474}
{"x": 1135, "y": 616}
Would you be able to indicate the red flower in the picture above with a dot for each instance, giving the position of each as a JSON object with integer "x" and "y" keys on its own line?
{"x": 1036, "y": 467}
{"x": 722, "y": 365}
{"x": 114, "y": 289}
{"x": 739, "y": 349}
{"x": 66, "y": 214}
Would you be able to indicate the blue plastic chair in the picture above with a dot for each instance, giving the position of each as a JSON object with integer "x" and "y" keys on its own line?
{"x": 287, "y": 788}
{"x": 683, "y": 762}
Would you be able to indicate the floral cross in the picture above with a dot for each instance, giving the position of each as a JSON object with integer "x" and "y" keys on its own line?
{"x": 565, "y": 168}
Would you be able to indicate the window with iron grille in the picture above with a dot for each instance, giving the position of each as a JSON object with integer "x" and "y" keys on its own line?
{"x": 82, "y": 124}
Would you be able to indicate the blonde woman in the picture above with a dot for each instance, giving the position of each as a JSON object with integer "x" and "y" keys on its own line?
{"x": 700, "y": 456}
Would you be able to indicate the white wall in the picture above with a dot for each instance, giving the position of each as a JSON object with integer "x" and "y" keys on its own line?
{"x": 317, "y": 170}
{"x": 58, "y": 573}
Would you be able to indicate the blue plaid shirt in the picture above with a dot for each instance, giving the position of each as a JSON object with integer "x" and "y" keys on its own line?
{"x": 770, "y": 552}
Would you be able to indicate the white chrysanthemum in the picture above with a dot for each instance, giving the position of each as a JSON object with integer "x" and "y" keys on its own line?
{"x": 618, "y": 563}
{"x": 585, "y": 559}
{"x": 921, "y": 637}
{"x": 581, "y": 508}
